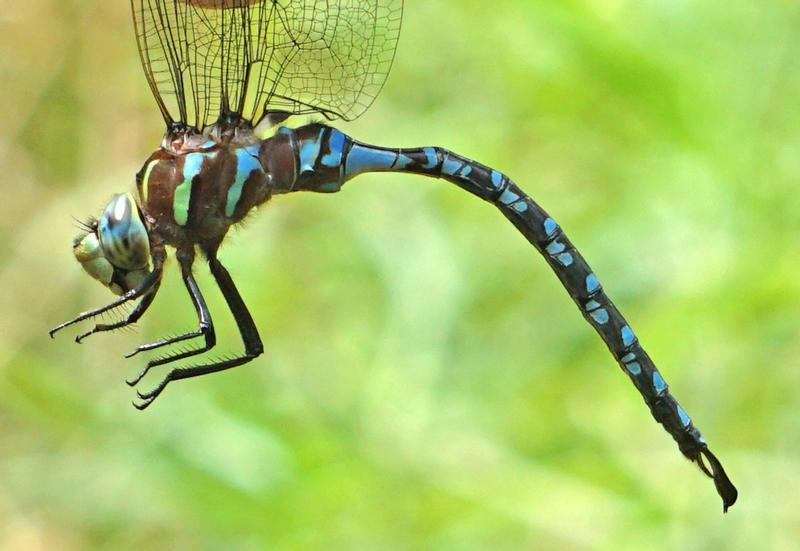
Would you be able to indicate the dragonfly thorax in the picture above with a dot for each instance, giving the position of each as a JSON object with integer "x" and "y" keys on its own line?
{"x": 200, "y": 183}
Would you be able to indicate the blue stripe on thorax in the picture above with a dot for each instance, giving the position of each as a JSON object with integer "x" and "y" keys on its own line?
{"x": 246, "y": 164}
{"x": 192, "y": 165}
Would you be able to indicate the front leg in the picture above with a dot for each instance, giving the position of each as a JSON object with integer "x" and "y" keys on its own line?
{"x": 247, "y": 329}
{"x": 132, "y": 318}
{"x": 146, "y": 288}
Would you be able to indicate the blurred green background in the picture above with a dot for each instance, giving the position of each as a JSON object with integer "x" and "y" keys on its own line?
{"x": 427, "y": 383}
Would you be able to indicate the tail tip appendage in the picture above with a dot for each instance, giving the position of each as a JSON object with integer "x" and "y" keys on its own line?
{"x": 725, "y": 488}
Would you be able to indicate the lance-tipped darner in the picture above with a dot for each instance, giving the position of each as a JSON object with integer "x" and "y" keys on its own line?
{"x": 218, "y": 69}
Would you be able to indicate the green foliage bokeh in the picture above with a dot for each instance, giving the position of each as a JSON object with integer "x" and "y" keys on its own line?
{"x": 427, "y": 383}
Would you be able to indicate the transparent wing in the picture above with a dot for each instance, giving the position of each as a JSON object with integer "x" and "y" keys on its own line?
{"x": 252, "y": 57}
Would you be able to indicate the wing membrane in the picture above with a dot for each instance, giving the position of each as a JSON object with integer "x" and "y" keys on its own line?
{"x": 206, "y": 57}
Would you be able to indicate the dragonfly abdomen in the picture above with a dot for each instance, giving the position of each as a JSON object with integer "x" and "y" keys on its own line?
{"x": 327, "y": 158}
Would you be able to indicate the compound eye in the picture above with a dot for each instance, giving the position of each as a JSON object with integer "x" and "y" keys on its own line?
{"x": 88, "y": 252}
{"x": 123, "y": 235}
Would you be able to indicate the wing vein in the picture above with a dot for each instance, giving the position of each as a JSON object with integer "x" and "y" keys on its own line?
{"x": 207, "y": 58}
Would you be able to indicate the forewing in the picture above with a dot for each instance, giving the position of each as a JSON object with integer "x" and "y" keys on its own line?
{"x": 252, "y": 57}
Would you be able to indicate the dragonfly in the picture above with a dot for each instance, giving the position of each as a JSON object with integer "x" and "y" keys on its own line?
{"x": 223, "y": 71}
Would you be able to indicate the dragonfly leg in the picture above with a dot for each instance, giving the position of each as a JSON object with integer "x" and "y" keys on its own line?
{"x": 247, "y": 329}
{"x": 132, "y": 318}
{"x": 205, "y": 328}
{"x": 146, "y": 286}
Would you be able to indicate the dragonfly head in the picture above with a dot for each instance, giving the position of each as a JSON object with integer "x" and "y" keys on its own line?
{"x": 115, "y": 250}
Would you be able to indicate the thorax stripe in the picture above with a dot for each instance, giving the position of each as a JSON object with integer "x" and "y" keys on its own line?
{"x": 144, "y": 184}
{"x": 192, "y": 165}
{"x": 246, "y": 164}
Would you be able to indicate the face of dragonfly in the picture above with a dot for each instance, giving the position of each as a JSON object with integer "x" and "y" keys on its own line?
{"x": 115, "y": 250}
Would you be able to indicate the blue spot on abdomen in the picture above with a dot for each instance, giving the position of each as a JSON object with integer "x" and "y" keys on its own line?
{"x": 565, "y": 259}
{"x": 627, "y": 335}
{"x": 685, "y": 420}
{"x": 336, "y": 142}
{"x": 450, "y": 167}
{"x": 592, "y": 284}
{"x": 403, "y": 161}
{"x": 658, "y": 382}
{"x": 600, "y": 316}
{"x": 366, "y": 159}
{"x": 309, "y": 153}
{"x": 634, "y": 368}
{"x": 330, "y": 187}
{"x": 550, "y": 226}
{"x": 430, "y": 155}
{"x": 497, "y": 179}
{"x": 508, "y": 197}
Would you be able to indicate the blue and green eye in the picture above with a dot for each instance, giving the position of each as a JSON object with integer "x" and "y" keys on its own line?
{"x": 115, "y": 250}
{"x": 89, "y": 253}
{"x": 123, "y": 235}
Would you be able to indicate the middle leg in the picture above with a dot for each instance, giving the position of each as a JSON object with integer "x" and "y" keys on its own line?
{"x": 205, "y": 327}
{"x": 247, "y": 329}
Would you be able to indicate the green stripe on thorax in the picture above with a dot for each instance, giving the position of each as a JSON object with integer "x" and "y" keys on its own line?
{"x": 192, "y": 166}
{"x": 144, "y": 184}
